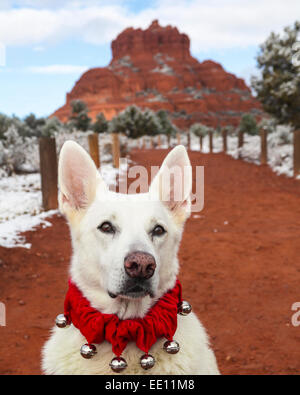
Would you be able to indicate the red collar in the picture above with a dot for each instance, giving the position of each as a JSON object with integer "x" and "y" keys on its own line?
{"x": 160, "y": 321}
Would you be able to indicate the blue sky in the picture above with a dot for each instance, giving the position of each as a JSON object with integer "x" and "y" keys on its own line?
{"x": 50, "y": 43}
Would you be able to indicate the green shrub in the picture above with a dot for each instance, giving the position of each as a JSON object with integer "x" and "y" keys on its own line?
{"x": 248, "y": 125}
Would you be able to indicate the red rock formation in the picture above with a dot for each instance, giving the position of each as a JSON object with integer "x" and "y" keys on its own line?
{"x": 154, "y": 68}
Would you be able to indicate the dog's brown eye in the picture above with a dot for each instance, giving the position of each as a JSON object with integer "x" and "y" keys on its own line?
{"x": 107, "y": 227}
{"x": 158, "y": 231}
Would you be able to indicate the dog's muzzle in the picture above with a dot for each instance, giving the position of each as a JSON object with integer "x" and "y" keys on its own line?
{"x": 139, "y": 267}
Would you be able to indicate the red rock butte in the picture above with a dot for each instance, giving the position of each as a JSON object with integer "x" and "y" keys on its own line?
{"x": 153, "y": 68}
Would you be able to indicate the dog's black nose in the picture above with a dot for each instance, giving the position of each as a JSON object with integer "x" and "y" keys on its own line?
{"x": 140, "y": 264}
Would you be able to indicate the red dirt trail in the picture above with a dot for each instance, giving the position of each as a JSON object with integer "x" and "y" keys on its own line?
{"x": 240, "y": 270}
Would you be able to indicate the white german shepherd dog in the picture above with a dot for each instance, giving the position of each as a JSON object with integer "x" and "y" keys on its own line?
{"x": 105, "y": 229}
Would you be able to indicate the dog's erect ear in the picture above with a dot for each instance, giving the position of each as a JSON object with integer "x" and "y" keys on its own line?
{"x": 77, "y": 177}
{"x": 173, "y": 183}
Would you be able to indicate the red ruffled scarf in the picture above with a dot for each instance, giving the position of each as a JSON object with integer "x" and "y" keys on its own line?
{"x": 160, "y": 321}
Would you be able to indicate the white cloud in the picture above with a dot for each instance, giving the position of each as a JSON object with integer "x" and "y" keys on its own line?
{"x": 220, "y": 24}
{"x": 54, "y": 4}
{"x": 38, "y": 48}
{"x": 2, "y": 55}
{"x": 34, "y": 26}
{"x": 217, "y": 24}
{"x": 58, "y": 69}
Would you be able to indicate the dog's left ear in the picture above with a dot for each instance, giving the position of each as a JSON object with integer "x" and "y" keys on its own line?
{"x": 173, "y": 183}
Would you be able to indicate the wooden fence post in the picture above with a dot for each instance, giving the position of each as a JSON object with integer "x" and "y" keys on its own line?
{"x": 240, "y": 142}
{"x": 48, "y": 169}
{"x": 125, "y": 147}
{"x": 169, "y": 140}
{"x": 211, "y": 144}
{"x": 188, "y": 140}
{"x": 178, "y": 139}
{"x": 94, "y": 148}
{"x": 224, "y": 135}
{"x": 158, "y": 141}
{"x": 264, "y": 146}
{"x": 296, "y": 153}
{"x": 116, "y": 150}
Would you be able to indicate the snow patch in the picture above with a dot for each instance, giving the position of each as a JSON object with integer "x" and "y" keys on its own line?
{"x": 280, "y": 149}
{"x": 21, "y": 209}
{"x": 164, "y": 69}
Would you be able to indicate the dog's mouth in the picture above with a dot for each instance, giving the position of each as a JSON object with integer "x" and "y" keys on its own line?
{"x": 134, "y": 291}
{"x": 138, "y": 291}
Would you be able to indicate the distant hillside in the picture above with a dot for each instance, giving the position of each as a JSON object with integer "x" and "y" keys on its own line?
{"x": 154, "y": 68}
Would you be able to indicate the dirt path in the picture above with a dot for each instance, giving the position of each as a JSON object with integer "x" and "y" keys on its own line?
{"x": 240, "y": 270}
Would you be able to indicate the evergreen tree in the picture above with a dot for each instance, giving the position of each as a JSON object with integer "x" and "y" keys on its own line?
{"x": 150, "y": 123}
{"x": 278, "y": 88}
{"x": 79, "y": 117}
{"x": 101, "y": 124}
{"x": 33, "y": 122}
{"x": 135, "y": 123}
{"x": 198, "y": 129}
{"x": 165, "y": 125}
{"x": 51, "y": 126}
{"x": 248, "y": 124}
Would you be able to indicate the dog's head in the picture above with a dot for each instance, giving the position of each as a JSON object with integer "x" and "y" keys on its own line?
{"x": 125, "y": 246}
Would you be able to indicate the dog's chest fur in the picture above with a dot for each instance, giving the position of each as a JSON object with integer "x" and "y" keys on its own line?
{"x": 61, "y": 354}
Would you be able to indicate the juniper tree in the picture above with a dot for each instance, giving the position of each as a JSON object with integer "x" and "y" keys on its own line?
{"x": 34, "y": 123}
{"x": 79, "y": 116}
{"x": 101, "y": 124}
{"x": 248, "y": 125}
{"x": 278, "y": 87}
{"x": 51, "y": 126}
{"x": 150, "y": 123}
{"x": 199, "y": 130}
{"x": 127, "y": 122}
{"x": 135, "y": 123}
{"x": 166, "y": 127}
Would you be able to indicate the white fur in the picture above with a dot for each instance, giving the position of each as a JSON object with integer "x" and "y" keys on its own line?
{"x": 97, "y": 264}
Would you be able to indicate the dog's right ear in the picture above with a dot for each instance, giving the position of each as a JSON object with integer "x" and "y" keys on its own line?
{"x": 78, "y": 178}
{"x": 173, "y": 183}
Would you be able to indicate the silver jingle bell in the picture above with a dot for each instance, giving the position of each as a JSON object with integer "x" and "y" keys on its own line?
{"x": 147, "y": 361}
{"x": 171, "y": 347}
{"x": 61, "y": 321}
{"x": 88, "y": 351}
{"x": 184, "y": 308}
{"x": 118, "y": 364}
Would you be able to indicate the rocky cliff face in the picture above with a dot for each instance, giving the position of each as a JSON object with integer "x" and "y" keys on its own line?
{"x": 154, "y": 68}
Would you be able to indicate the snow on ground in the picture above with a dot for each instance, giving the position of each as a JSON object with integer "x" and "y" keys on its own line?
{"x": 20, "y": 196}
{"x": 280, "y": 150}
{"x": 21, "y": 205}
{"x": 20, "y": 209}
